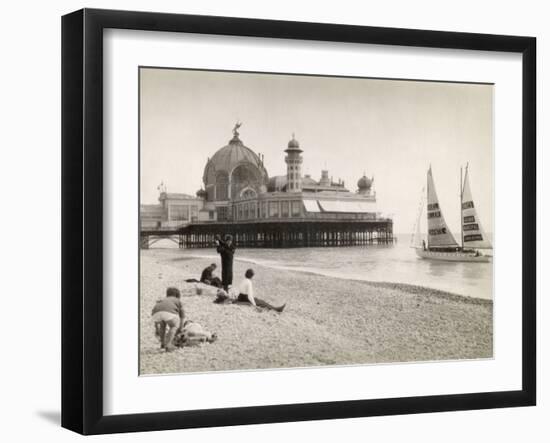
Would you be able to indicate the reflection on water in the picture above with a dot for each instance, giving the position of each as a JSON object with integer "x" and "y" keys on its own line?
{"x": 390, "y": 263}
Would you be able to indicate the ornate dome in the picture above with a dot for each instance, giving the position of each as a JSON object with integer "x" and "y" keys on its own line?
{"x": 364, "y": 183}
{"x": 229, "y": 157}
{"x": 231, "y": 169}
{"x": 235, "y": 153}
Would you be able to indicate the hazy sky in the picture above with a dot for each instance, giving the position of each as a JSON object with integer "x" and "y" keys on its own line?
{"x": 387, "y": 128}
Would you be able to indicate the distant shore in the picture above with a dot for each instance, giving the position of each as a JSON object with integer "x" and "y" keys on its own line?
{"x": 327, "y": 321}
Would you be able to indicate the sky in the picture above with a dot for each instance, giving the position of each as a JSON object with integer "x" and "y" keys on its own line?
{"x": 390, "y": 129}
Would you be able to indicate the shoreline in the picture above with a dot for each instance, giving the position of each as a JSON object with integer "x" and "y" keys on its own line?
{"x": 327, "y": 321}
{"x": 382, "y": 284}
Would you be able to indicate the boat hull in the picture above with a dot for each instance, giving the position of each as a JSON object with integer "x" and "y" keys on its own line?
{"x": 456, "y": 256}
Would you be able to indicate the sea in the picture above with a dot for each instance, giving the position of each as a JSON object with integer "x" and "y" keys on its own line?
{"x": 396, "y": 263}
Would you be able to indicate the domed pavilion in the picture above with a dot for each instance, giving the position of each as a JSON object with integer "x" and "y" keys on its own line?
{"x": 291, "y": 210}
{"x": 234, "y": 172}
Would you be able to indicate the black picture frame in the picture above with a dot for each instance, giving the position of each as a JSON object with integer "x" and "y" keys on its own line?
{"x": 82, "y": 220}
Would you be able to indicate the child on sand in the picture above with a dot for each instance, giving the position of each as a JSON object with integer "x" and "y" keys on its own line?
{"x": 168, "y": 313}
{"x": 193, "y": 333}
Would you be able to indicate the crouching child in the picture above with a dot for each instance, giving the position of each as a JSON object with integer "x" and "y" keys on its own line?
{"x": 168, "y": 315}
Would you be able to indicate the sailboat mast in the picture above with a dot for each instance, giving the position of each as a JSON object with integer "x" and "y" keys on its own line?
{"x": 427, "y": 204}
{"x": 461, "y": 224}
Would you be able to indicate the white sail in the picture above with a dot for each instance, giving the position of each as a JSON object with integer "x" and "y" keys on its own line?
{"x": 473, "y": 235}
{"x": 439, "y": 234}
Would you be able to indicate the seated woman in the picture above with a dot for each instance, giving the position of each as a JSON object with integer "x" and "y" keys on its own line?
{"x": 246, "y": 294}
{"x": 207, "y": 276}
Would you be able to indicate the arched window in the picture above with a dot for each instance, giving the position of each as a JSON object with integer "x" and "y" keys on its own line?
{"x": 248, "y": 193}
{"x": 222, "y": 186}
{"x": 242, "y": 177}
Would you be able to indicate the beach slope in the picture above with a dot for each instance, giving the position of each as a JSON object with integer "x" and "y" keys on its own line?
{"x": 327, "y": 321}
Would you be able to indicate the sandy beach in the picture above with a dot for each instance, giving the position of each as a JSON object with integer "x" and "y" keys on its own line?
{"x": 327, "y": 321}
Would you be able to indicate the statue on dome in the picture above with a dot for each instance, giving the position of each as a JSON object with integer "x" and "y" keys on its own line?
{"x": 162, "y": 187}
{"x": 237, "y": 126}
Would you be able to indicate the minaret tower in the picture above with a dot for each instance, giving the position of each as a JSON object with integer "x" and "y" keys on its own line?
{"x": 293, "y": 161}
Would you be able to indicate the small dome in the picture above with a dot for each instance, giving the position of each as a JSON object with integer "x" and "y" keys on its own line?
{"x": 364, "y": 183}
{"x": 293, "y": 145}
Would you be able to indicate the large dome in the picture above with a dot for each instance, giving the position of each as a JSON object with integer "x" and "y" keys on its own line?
{"x": 232, "y": 155}
{"x": 233, "y": 168}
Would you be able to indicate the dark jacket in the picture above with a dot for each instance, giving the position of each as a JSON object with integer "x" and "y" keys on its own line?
{"x": 226, "y": 252}
{"x": 206, "y": 276}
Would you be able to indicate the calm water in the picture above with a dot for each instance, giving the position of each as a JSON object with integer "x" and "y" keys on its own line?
{"x": 389, "y": 263}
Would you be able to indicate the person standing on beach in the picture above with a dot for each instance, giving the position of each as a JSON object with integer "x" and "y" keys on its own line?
{"x": 226, "y": 249}
{"x": 246, "y": 293}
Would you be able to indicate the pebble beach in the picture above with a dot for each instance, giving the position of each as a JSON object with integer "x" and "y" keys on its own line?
{"x": 327, "y": 320}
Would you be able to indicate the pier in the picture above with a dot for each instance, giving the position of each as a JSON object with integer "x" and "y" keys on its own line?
{"x": 240, "y": 198}
{"x": 277, "y": 234}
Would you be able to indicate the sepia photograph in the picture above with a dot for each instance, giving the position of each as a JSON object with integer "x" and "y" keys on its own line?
{"x": 294, "y": 221}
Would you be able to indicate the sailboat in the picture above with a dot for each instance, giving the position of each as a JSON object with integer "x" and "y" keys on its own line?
{"x": 441, "y": 244}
